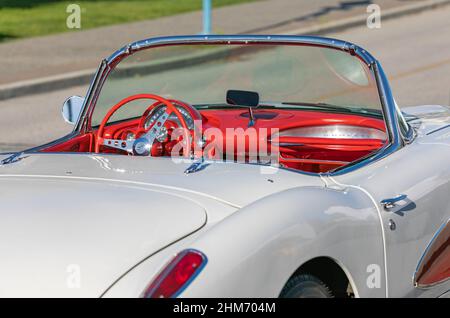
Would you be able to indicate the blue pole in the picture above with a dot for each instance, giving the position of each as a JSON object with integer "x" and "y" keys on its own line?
{"x": 206, "y": 16}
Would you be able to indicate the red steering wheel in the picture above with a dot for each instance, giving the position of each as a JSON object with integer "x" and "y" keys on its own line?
{"x": 142, "y": 145}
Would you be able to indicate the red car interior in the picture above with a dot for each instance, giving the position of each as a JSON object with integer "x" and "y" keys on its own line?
{"x": 306, "y": 153}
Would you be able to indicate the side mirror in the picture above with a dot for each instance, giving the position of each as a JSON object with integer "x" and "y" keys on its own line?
{"x": 72, "y": 108}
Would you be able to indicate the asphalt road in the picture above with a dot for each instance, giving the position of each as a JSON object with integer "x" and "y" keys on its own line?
{"x": 414, "y": 51}
{"x": 18, "y": 58}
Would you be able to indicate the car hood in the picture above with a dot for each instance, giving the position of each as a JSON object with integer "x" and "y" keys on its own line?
{"x": 72, "y": 224}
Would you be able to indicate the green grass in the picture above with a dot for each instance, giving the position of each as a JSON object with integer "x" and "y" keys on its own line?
{"x": 27, "y": 18}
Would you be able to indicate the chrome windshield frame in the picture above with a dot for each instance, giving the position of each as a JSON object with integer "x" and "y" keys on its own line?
{"x": 396, "y": 140}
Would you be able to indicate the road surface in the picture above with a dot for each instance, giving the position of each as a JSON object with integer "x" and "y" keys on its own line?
{"x": 56, "y": 52}
{"x": 414, "y": 51}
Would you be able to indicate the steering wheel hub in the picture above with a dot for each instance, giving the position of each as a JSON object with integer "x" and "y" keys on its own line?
{"x": 142, "y": 147}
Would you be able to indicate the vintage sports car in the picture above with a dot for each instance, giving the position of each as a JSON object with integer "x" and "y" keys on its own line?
{"x": 233, "y": 166}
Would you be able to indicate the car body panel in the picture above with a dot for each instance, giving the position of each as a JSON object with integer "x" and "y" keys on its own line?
{"x": 271, "y": 238}
{"x": 51, "y": 227}
{"x": 420, "y": 171}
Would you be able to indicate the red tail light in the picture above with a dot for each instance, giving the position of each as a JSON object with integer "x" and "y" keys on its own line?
{"x": 177, "y": 275}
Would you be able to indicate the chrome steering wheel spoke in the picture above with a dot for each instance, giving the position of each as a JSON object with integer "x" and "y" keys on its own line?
{"x": 141, "y": 146}
{"x": 155, "y": 129}
{"x": 126, "y": 145}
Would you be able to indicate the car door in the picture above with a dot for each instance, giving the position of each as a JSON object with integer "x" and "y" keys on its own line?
{"x": 411, "y": 190}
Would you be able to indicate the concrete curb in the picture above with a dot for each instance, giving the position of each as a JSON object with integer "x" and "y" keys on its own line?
{"x": 46, "y": 84}
{"x": 57, "y": 82}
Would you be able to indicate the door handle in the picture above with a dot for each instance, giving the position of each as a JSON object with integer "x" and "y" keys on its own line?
{"x": 390, "y": 203}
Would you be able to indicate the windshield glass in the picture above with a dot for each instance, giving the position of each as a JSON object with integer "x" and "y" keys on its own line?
{"x": 284, "y": 76}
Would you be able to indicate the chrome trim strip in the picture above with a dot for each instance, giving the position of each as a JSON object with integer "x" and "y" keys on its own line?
{"x": 239, "y": 39}
{"x": 438, "y": 129}
{"x": 388, "y": 103}
{"x": 314, "y": 161}
{"x": 288, "y": 144}
{"x": 91, "y": 96}
{"x": 52, "y": 143}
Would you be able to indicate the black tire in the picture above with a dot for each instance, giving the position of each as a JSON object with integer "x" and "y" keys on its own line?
{"x": 306, "y": 286}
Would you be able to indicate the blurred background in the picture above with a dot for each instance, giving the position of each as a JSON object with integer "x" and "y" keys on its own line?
{"x": 49, "y": 49}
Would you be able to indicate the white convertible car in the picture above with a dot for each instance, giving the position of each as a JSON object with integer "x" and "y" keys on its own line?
{"x": 232, "y": 166}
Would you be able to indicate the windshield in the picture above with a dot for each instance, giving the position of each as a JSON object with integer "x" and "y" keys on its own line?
{"x": 284, "y": 76}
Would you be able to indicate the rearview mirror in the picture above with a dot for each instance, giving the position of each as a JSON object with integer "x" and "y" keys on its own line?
{"x": 242, "y": 98}
{"x": 72, "y": 108}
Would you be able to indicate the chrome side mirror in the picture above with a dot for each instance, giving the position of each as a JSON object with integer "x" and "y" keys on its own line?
{"x": 72, "y": 108}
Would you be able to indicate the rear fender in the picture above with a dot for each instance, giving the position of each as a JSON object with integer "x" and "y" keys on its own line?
{"x": 253, "y": 252}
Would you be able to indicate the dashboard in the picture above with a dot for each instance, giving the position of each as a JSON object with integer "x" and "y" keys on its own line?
{"x": 306, "y": 140}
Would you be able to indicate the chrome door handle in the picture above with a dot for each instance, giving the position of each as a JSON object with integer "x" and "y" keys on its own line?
{"x": 390, "y": 203}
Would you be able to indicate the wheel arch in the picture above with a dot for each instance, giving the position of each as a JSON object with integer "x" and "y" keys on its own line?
{"x": 332, "y": 272}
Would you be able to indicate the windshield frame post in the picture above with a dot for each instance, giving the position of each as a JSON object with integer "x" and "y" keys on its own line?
{"x": 91, "y": 96}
